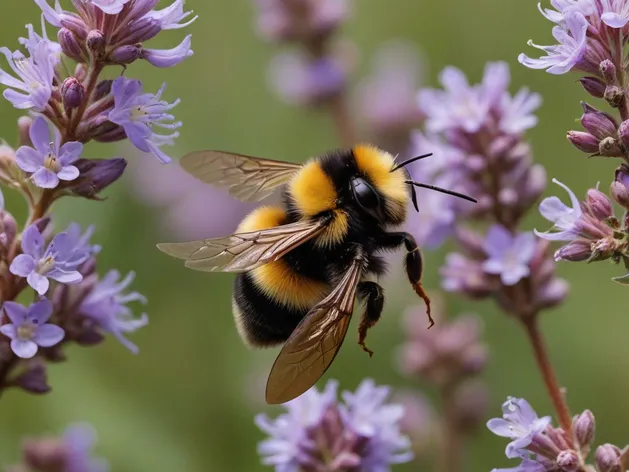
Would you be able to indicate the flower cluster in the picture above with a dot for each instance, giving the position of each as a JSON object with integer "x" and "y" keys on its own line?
{"x": 318, "y": 433}
{"x": 592, "y": 36}
{"x": 65, "y": 112}
{"x": 70, "y": 452}
{"x": 544, "y": 448}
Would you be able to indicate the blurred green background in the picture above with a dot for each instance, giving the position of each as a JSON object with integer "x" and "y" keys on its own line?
{"x": 187, "y": 401}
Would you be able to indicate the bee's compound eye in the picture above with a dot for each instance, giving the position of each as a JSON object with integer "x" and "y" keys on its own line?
{"x": 364, "y": 194}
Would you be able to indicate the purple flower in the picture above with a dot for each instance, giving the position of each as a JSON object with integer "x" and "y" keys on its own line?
{"x": 169, "y": 57}
{"x": 615, "y": 13}
{"x": 58, "y": 262}
{"x": 138, "y": 113}
{"x": 519, "y": 423}
{"x": 33, "y": 87}
{"x": 32, "y": 42}
{"x": 48, "y": 161}
{"x": 79, "y": 442}
{"x": 81, "y": 243}
{"x": 171, "y": 17}
{"x": 527, "y": 465}
{"x": 562, "y": 7}
{"x": 288, "y": 444}
{"x": 111, "y": 7}
{"x": 297, "y": 79}
{"x": 563, "y": 217}
{"x": 562, "y": 57}
{"x": 508, "y": 255}
{"x": 316, "y": 433}
{"x": 517, "y": 111}
{"x": 105, "y": 305}
{"x": 366, "y": 413}
{"x": 28, "y": 328}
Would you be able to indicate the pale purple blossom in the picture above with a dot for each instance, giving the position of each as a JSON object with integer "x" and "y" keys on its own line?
{"x": 615, "y": 13}
{"x": 140, "y": 113}
{"x": 28, "y": 329}
{"x": 562, "y": 57}
{"x": 106, "y": 306}
{"x": 317, "y": 433}
{"x": 563, "y": 217}
{"x": 172, "y": 16}
{"x": 49, "y": 162}
{"x": 111, "y": 7}
{"x": 34, "y": 39}
{"x": 517, "y": 111}
{"x": 519, "y": 423}
{"x": 368, "y": 415}
{"x": 58, "y": 262}
{"x": 562, "y": 7}
{"x": 508, "y": 255}
{"x": 169, "y": 57}
{"x": 79, "y": 442}
{"x": 33, "y": 87}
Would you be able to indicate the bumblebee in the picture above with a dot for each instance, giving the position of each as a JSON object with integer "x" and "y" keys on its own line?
{"x": 300, "y": 266}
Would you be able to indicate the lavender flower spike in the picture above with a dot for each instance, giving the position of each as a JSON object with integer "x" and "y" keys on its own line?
{"x": 106, "y": 306}
{"x": 519, "y": 423}
{"x": 139, "y": 113}
{"x": 509, "y": 256}
{"x": 28, "y": 328}
{"x": 33, "y": 88}
{"x": 48, "y": 162}
{"x": 561, "y": 58}
{"x": 59, "y": 262}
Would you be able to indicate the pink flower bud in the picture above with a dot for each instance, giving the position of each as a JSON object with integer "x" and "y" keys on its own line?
{"x": 125, "y": 54}
{"x": 598, "y": 204}
{"x": 593, "y": 86}
{"x": 583, "y": 141}
{"x": 96, "y": 42}
{"x": 584, "y": 427}
{"x": 72, "y": 92}
{"x": 69, "y": 45}
{"x": 598, "y": 123}
{"x": 607, "y": 458}
{"x": 608, "y": 70}
{"x": 623, "y": 134}
{"x": 574, "y": 251}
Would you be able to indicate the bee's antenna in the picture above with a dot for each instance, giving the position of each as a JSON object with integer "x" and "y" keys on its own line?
{"x": 408, "y": 161}
{"x": 438, "y": 189}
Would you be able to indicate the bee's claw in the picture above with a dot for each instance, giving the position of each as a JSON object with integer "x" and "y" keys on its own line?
{"x": 424, "y": 296}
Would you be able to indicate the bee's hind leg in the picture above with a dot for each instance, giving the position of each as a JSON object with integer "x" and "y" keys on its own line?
{"x": 373, "y": 294}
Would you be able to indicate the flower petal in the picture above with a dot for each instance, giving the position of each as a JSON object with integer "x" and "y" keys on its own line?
{"x": 28, "y": 159}
{"x": 48, "y": 335}
{"x": 24, "y": 348}
{"x": 65, "y": 277}
{"x": 40, "y": 135}
{"x": 22, "y": 265}
{"x": 15, "y": 312}
{"x": 40, "y": 311}
{"x": 68, "y": 173}
{"x": 9, "y": 330}
{"x": 45, "y": 178}
{"x": 32, "y": 242}
{"x": 38, "y": 282}
{"x": 70, "y": 152}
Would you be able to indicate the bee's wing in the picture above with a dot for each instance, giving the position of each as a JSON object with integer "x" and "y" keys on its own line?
{"x": 243, "y": 251}
{"x": 245, "y": 177}
{"x": 314, "y": 343}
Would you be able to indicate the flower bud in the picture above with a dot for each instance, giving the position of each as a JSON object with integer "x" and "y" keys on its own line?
{"x": 45, "y": 454}
{"x": 593, "y": 86}
{"x": 552, "y": 294}
{"x": 69, "y": 44}
{"x": 575, "y": 251}
{"x": 598, "y": 204}
{"x": 72, "y": 92}
{"x": 34, "y": 379}
{"x": 96, "y": 42}
{"x": 8, "y": 167}
{"x": 103, "y": 88}
{"x": 583, "y": 141}
{"x": 24, "y": 127}
{"x": 8, "y": 228}
{"x": 623, "y": 134}
{"x": 568, "y": 461}
{"x": 111, "y": 135}
{"x": 614, "y": 96}
{"x": 125, "y": 54}
{"x": 608, "y": 458}
{"x": 95, "y": 175}
{"x": 610, "y": 147}
{"x": 608, "y": 70}
{"x": 598, "y": 123}
{"x": 584, "y": 427}
{"x": 620, "y": 186}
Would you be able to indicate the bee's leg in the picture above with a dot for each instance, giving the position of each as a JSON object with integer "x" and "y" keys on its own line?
{"x": 413, "y": 262}
{"x": 374, "y": 301}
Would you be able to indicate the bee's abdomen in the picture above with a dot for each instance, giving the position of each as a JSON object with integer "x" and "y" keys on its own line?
{"x": 261, "y": 321}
